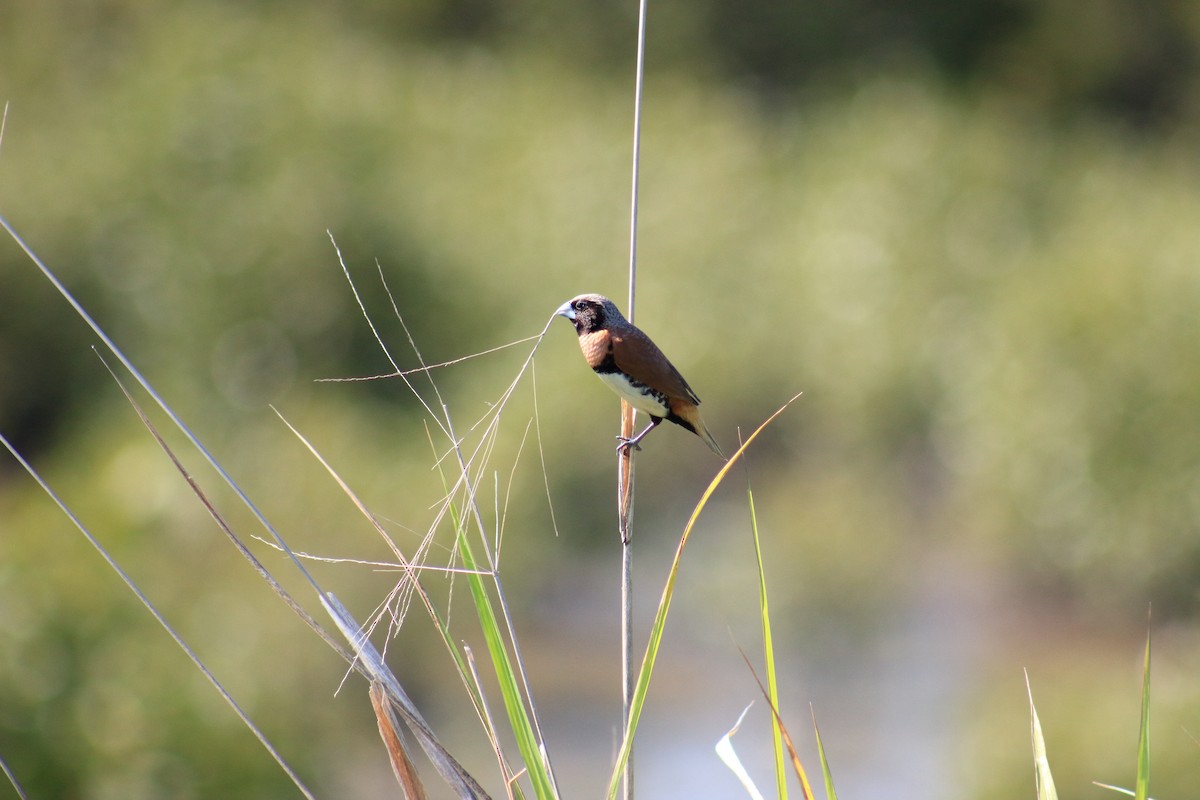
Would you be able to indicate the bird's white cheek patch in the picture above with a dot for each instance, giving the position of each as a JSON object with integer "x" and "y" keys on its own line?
{"x": 637, "y": 396}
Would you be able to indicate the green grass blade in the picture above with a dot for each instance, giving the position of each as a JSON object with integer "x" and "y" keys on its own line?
{"x": 510, "y": 692}
{"x": 830, "y": 792}
{"x": 805, "y": 787}
{"x": 1043, "y": 780}
{"x": 514, "y": 703}
{"x": 768, "y": 655}
{"x": 642, "y": 684}
{"x": 1142, "y": 787}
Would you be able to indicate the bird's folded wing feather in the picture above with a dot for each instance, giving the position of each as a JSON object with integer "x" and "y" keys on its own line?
{"x": 639, "y": 358}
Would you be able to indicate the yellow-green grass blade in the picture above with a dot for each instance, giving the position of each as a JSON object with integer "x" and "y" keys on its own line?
{"x": 642, "y": 684}
{"x": 768, "y": 654}
{"x": 826, "y": 773}
{"x": 1041, "y": 764}
{"x": 514, "y": 704}
{"x": 510, "y": 691}
{"x": 805, "y": 787}
{"x": 1142, "y": 787}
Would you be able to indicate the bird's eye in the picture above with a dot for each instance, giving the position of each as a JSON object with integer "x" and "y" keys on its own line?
{"x": 580, "y": 305}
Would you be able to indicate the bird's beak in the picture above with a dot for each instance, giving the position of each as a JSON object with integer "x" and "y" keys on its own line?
{"x": 565, "y": 310}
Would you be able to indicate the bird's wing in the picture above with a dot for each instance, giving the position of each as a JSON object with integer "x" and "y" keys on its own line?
{"x": 639, "y": 358}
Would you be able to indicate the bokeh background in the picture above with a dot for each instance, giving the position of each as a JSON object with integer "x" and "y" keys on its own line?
{"x": 968, "y": 232}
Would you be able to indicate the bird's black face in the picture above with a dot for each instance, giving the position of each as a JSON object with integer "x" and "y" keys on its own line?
{"x": 588, "y": 313}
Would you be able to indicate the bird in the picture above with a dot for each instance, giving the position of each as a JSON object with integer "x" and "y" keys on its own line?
{"x": 632, "y": 365}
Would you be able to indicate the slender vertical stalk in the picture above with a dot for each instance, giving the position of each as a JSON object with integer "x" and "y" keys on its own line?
{"x": 625, "y": 528}
{"x": 625, "y": 457}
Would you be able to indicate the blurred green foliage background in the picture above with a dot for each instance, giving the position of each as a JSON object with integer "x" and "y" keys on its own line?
{"x": 969, "y": 233}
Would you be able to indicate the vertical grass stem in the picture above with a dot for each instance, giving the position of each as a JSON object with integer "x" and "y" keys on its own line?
{"x": 625, "y": 457}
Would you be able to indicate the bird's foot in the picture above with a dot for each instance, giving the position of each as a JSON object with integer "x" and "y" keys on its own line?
{"x": 628, "y": 444}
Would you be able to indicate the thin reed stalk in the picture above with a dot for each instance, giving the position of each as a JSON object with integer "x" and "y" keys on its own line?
{"x": 625, "y": 456}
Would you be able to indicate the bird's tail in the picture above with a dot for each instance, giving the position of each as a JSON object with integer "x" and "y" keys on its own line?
{"x": 703, "y": 433}
{"x": 688, "y": 415}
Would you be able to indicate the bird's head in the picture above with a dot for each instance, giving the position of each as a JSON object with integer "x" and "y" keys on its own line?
{"x": 590, "y": 312}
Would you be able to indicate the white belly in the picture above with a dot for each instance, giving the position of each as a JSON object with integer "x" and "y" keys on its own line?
{"x": 637, "y": 396}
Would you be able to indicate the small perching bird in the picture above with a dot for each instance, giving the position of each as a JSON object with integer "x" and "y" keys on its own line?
{"x": 633, "y": 367}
